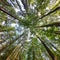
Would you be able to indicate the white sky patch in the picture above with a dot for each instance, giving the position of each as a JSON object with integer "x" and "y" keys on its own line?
{"x": 54, "y": 49}
{"x": 47, "y": 8}
{"x": 28, "y": 38}
{"x": 2, "y": 54}
{"x": 22, "y": 7}
{"x": 14, "y": 25}
{"x": 3, "y": 22}
{"x": 13, "y": 5}
{"x": 41, "y": 23}
{"x": 59, "y": 17}
{"x": 32, "y": 7}
{"x": 1, "y": 32}
{"x": 17, "y": 10}
{"x": 45, "y": 28}
{"x": 39, "y": 14}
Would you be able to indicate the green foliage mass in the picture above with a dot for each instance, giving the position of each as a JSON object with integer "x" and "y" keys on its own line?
{"x": 30, "y": 30}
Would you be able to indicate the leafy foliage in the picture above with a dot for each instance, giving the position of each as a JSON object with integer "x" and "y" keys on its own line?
{"x": 29, "y": 30}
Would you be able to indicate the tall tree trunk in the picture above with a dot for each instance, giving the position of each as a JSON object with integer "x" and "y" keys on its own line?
{"x": 48, "y": 50}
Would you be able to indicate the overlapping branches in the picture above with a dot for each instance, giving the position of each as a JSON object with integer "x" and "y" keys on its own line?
{"x": 3, "y": 10}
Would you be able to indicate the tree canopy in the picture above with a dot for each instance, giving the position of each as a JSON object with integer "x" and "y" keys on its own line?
{"x": 29, "y": 29}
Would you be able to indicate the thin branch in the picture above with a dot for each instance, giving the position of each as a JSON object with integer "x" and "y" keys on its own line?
{"x": 25, "y": 4}
{"x": 52, "y": 11}
{"x": 57, "y": 32}
{"x": 51, "y": 44}
{"x": 57, "y": 24}
{"x": 58, "y": 8}
{"x": 55, "y": 47}
{"x": 5, "y": 3}
{"x": 3, "y": 10}
{"x": 12, "y": 2}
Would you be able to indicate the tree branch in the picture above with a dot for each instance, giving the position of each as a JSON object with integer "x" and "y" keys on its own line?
{"x": 58, "y": 8}
{"x": 48, "y": 50}
{"x": 25, "y": 4}
{"x": 3, "y": 10}
{"x": 5, "y": 3}
{"x": 57, "y": 24}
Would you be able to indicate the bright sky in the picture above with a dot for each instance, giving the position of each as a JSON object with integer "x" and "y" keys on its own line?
{"x": 17, "y": 9}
